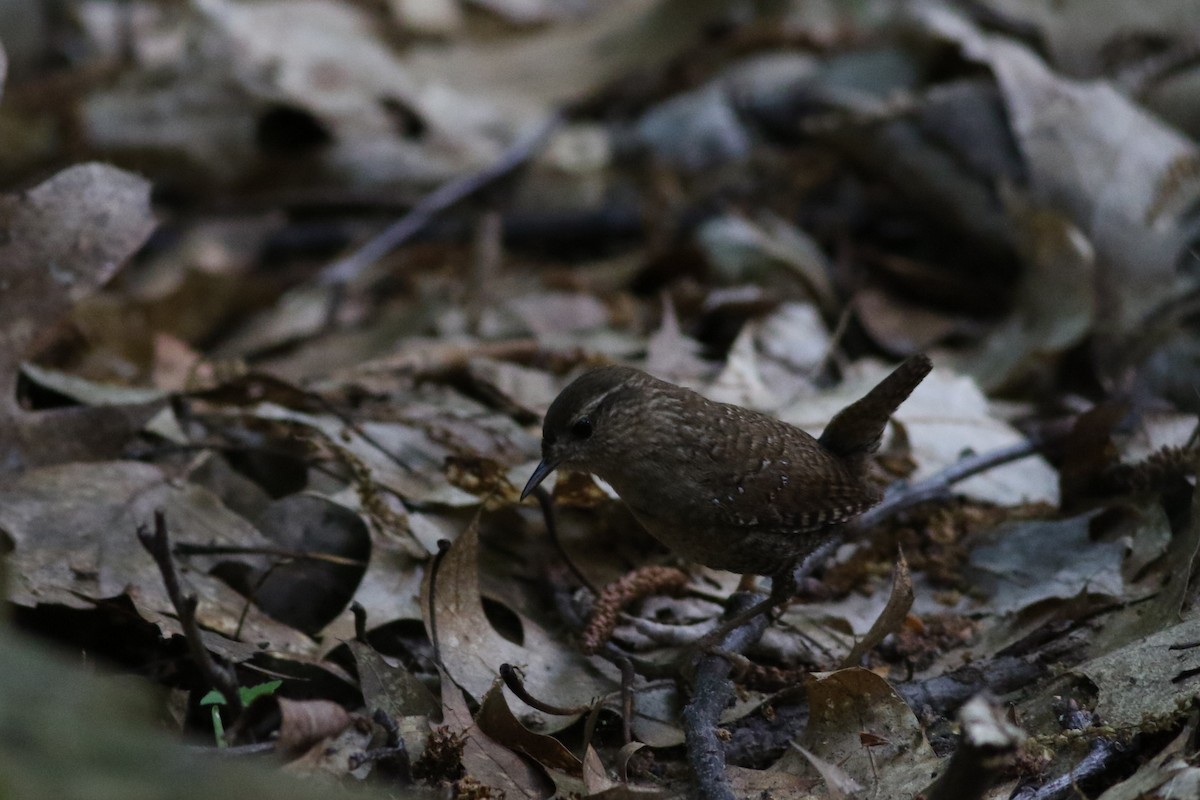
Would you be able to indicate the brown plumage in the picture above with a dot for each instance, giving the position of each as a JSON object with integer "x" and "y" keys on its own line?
{"x": 719, "y": 484}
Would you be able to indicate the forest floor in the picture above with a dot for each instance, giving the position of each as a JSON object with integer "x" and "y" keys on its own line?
{"x": 289, "y": 285}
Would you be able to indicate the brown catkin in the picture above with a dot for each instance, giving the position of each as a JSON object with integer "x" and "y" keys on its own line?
{"x": 617, "y": 595}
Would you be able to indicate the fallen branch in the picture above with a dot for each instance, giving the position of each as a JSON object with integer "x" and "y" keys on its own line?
{"x": 158, "y": 545}
{"x": 937, "y": 486}
{"x": 191, "y": 549}
{"x": 711, "y": 692}
{"x": 1105, "y": 756}
{"x": 344, "y": 270}
{"x": 1101, "y": 759}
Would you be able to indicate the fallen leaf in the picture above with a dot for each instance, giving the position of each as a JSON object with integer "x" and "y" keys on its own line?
{"x": 891, "y": 618}
{"x": 1055, "y": 306}
{"x": 327, "y": 756}
{"x": 618, "y": 40}
{"x": 392, "y": 689}
{"x": 844, "y": 705}
{"x": 487, "y": 760}
{"x": 303, "y": 723}
{"x": 496, "y": 719}
{"x": 64, "y": 239}
{"x": 1148, "y": 679}
{"x": 1023, "y": 563}
{"x": 72, "y": 529}
{"x": 87, "y": 392}
{"x": 332, "y": 548}
{"x": 740, "y": 382}
{"x": 1100, "y": 159}
{"x": 670, "y": 354}
{"x": 472, "y": 651}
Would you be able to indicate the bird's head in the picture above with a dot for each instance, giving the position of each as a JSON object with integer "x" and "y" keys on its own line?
{"x": 586, "y": 425}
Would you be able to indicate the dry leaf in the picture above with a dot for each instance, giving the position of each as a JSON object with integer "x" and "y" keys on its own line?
{"x": 303, "y": 723}
{"x": 73, "y": 533}
{"x": 496, "y": 719}
{"x": 487, "y": 760}
{"x": 64, "y": 239}
{"x": 899, "y": 603}
{"x": 472, "y": 650}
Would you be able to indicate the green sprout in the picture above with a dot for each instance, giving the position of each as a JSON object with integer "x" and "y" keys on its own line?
{"x": 247, "y": 694}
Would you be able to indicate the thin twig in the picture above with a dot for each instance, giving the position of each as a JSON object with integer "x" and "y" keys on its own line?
{"x": 835, "y": 339}
{"x": 252, "y": 596}
{"x": 937, "y": 486}
{"x": 512, "y": 679}
{"x": 443, "y": 546}
{"x": 344, "y": 270}
{"x": 158, "y": 545}
{"x": 360, "y": 621}
{"x": 234, "y": 750}
{"x": 190, "y": 549}
{"x": 628, "y": 675}
{"x": 547, "y": 504}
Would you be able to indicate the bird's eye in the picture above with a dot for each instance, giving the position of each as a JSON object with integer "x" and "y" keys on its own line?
{"x": 582, "y": 428}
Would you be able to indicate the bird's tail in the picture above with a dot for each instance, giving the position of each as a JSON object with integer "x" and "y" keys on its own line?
{"x": 857, "y": 428}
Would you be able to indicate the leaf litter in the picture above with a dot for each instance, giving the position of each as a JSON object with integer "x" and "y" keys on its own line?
{"x": 759, "y": 205}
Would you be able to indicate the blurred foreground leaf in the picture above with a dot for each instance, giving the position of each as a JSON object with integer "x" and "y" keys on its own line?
{"x": 66, "y": 733}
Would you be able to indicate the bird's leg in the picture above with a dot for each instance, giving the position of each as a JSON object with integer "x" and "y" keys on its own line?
{"x": 783, "y": 586}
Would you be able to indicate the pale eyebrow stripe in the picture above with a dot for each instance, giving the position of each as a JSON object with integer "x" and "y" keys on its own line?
{"x": 590, "y": 407}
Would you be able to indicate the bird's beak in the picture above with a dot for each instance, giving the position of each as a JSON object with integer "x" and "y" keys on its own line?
{"x": 543, "y": 469}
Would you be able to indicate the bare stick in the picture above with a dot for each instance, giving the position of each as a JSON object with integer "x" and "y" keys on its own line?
{"x": 158, "y": 545}
{"x": 346, "y": 269}
{"x": 1104, "y": 757}
{"x": 189, "y": 549}
{"x": 360, "y": 621}
{"x": 937, "y": 486}
{"x": 627, "y": 678}
{"x": 443, "y": 546}
{"x": 711, "y": 692}
{"x": 989, "y": 744}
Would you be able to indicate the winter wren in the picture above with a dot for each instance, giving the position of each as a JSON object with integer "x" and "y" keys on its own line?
{"x": 730, "y": 488}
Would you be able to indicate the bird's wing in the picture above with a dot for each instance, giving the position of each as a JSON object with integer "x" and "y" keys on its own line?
{"x": 792, "y": 484}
